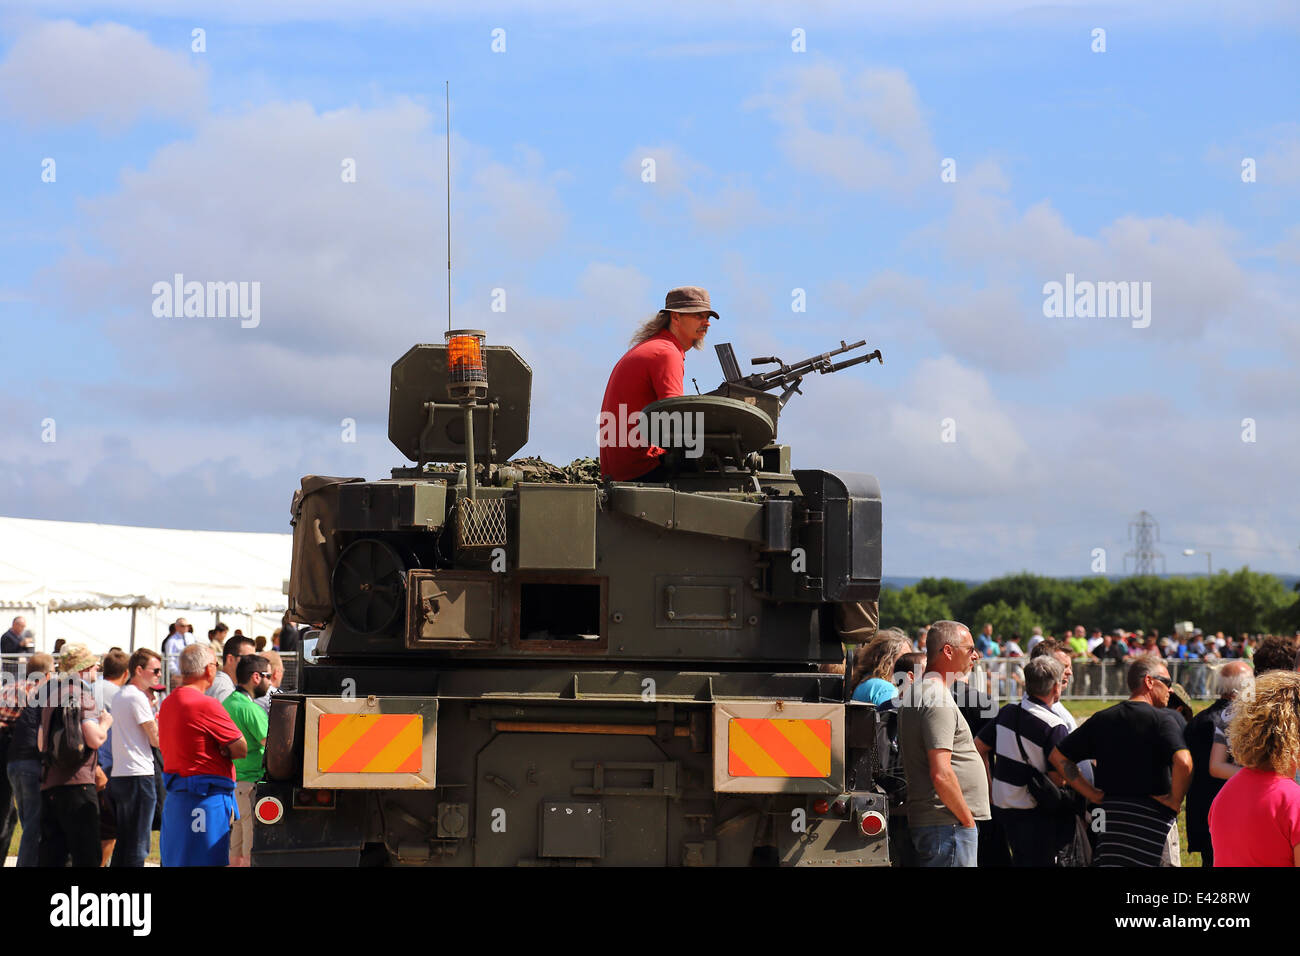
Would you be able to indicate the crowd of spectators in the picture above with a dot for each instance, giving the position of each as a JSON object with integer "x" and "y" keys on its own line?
{"x": 1099, "y": 656}
{"x": 971, "y": 784}
{"x": 96, "y": 755}
{"x": 1119, "y": 644}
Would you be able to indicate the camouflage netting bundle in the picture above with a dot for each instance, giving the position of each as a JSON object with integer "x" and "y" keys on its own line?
{"x": 580, "y": 471}
{"x": 577, "y": 472}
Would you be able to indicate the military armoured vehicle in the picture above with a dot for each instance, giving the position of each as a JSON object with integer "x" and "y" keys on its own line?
{"x": 521, "y": 672}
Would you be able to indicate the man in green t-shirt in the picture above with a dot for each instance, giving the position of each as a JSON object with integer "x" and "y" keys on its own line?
{"x": 252, "y": 680}
{"x": 1079, "y": 644}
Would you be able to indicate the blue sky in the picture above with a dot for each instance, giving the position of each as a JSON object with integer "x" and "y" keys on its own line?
{"x": 776, "y": 170}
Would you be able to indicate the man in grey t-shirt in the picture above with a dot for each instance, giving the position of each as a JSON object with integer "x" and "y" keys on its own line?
{"x": 947, "y": 789}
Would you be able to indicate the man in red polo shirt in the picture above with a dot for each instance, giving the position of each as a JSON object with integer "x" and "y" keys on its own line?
{"x": 199, "y": 741}
{"x": 651, "y": 369}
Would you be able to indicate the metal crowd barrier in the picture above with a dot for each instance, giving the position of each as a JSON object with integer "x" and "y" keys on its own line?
{"x": 1000, "y": 677}
{"x": 14, "y": 667}
{"x": 1003, "y": 677}
{"x": 288, "y": 684}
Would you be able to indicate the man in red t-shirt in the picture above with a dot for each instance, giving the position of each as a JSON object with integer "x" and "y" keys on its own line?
{"x": 652, "y": 369}
{"x": 198, "y": 741}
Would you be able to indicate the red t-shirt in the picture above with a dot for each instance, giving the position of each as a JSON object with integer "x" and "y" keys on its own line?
{"x": 648, "y": 372}
{"x": 191, "y": 729}
{"x": 1255, "y": 820}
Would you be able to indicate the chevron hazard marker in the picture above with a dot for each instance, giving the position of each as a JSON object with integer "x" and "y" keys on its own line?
{"x": 776, "y": 747}
{"x": 370, "y": 743}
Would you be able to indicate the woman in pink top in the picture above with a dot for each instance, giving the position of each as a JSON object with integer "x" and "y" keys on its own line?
{"x": 1255, "y": 819}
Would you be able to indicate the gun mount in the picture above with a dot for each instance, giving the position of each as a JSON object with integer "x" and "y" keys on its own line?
{"x": 735, "y": 425}
{"x": 789, "y": 377}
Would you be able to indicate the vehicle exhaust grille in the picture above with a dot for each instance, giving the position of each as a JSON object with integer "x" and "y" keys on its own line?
{"x": 481, "y": 523}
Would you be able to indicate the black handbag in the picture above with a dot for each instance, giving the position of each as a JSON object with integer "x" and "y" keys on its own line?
{"x": 1046, "y": 794}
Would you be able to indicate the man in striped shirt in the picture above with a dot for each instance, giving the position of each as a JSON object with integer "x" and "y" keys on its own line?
{"x": 1143, "y": 768}
{"x": 1022, "y": 736}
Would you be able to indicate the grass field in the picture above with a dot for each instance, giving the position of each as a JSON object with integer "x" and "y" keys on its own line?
{"x": 1086, "y": 708}
{"x": 153, "y": 856}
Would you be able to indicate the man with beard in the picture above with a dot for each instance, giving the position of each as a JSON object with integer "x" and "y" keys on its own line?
{"x": 253, "y": 680}
{"x": 276, "y": 665}
{"x": 651, "y": 369}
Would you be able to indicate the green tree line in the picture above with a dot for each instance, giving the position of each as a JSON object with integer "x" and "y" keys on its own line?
{"x": 1236, "y": 602}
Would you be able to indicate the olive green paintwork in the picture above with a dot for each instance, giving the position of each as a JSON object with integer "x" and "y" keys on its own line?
{"x": 580, "y": 668}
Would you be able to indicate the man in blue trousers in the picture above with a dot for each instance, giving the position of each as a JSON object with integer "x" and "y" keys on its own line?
{"x": 199, "y": 744}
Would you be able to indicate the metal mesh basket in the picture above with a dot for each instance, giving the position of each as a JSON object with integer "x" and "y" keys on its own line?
{"x": 481, "y": 523}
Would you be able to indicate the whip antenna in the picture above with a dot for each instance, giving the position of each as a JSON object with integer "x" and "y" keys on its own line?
{"x": 448, "y": 98}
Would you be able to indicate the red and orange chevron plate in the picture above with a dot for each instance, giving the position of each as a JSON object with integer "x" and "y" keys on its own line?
{"x": 774, "y": 747}
{"x": 370, "y": 743}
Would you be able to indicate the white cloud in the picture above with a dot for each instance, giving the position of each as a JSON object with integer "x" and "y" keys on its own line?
{"x": 865, "y": 132}
{"x": 1192, "y": 266}
{"x": 1038, "y": 482}
{"x": 684, "y": 188}
{"x": 731, "y": 209}
{"x": 989, "y": 456}
{"x": 1280, "y": 161}
{"x": 1275, "y": 150}
{"x": 351, "y": 273}
{"x": 672, "y": 169}
{"x": 611, "y": 290}
{"x": 59, "y": 72}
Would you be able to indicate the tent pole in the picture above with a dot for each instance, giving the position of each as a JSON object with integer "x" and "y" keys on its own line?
{"x": 133, "y": 629}
{"x": 44, "y": 611}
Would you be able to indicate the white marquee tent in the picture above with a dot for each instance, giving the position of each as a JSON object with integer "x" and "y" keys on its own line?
{"x": 109, "y": 585}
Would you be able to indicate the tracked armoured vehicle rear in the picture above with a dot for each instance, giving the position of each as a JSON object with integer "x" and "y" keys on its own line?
{"x": 516, "y": 666}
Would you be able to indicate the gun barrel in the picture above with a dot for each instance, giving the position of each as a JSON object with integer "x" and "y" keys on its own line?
{"x": 856, "y": 360}
{"x": 819, "y": 360}
{"x": 793, "y": 372}
{"x": 817, "y": 363}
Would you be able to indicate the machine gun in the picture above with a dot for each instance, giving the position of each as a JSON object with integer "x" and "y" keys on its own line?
{"x": 788, "y": 377}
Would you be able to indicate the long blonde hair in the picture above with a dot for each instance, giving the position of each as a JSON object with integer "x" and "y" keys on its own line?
{"x": 877, "y": 657}
{"x": 1265, "y": 730}
{"x": 651, "y": 327}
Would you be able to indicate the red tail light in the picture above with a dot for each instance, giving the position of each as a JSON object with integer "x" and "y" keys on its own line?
{"x": 821, "y": 807}
{"x": 872, "y": 823}
{"x": 269, "y": 810}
